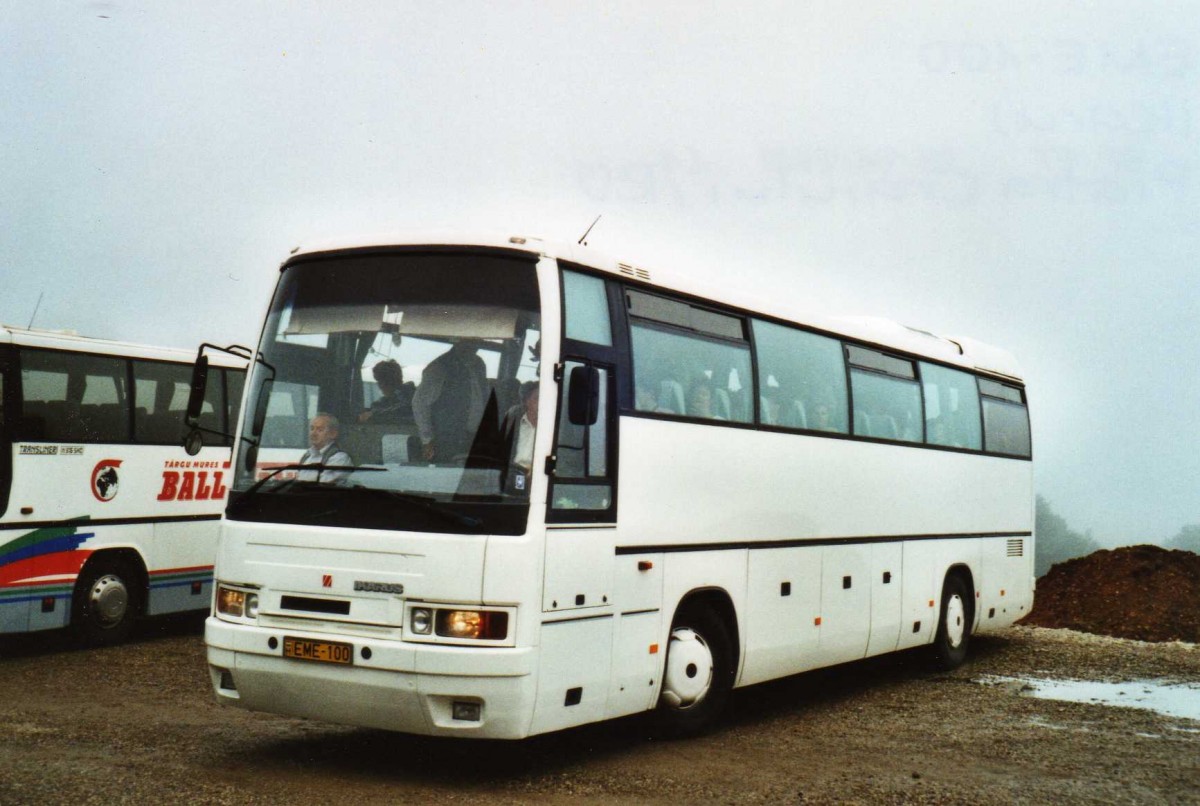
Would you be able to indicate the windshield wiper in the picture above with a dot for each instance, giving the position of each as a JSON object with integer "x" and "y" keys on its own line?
{"x": 425, "y": 504}
{"x": 256, "y": 486}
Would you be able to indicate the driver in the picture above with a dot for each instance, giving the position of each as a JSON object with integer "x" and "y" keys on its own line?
{"x": 323, "y": 450}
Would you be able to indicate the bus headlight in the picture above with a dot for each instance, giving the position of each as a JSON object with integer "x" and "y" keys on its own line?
{"x": 232, "y": 602}
{"x": 485, "y": 625}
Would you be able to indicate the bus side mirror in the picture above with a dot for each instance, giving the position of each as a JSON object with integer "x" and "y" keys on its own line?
{"x": 583, "y": 396}
{"x": 196, "y": 398}
{"x": 193, "y": 442}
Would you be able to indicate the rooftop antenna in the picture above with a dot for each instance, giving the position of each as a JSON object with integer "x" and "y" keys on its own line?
{"x": 585, "y": 234}
{"x": 35, "y": 309}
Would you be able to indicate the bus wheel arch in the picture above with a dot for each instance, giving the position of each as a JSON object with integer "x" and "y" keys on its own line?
{"x": 952, "y": 640}
{"x": 109, "y": 597}
{"x": 700, "y": 665}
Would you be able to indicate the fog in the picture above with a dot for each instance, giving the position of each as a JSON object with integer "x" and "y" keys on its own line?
{"x": 1022, "y": 173}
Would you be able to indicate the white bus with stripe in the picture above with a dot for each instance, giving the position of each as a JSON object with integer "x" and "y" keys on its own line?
{"x": 105, "y": 516}
{"x": 722, "y": 491}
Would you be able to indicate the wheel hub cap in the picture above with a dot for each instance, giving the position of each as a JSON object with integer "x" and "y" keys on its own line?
{"x": 689, "y": 669}
{"x": 956, "y": 621}
{"x": 109, "y": 600}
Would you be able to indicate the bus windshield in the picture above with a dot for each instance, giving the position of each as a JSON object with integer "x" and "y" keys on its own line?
{"x": 394, "y": 391}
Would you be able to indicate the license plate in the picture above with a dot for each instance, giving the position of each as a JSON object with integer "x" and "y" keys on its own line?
{"x": 321, "y": 651}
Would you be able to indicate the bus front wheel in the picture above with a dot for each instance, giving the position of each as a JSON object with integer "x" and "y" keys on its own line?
{"x": 106, "y": 602}
{"x": 698, "y": 673}
{"x": 954, "y": 626}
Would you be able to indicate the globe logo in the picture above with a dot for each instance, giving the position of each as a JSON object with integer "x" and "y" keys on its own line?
{"x": 105, "y": 481}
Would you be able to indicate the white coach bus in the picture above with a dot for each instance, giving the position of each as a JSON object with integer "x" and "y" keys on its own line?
{"x": 103, "y": 515}
{"x": 591, "y": 490}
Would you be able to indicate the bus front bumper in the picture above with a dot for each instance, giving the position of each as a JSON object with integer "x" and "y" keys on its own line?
{"x": 413, "y": 688}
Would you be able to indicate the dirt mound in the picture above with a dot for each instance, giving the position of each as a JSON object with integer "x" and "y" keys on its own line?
{"x": 1142, "y": 592}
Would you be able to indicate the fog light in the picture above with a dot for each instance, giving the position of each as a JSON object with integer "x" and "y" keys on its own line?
{"x": 422, "y": 620}
{"x": 227, "y": 683}
{"x": 467, "y": 711}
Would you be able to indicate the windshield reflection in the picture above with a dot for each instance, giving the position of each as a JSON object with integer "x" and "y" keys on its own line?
{"x": 421, "y": 366}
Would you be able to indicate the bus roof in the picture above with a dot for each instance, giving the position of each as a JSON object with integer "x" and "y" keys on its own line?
{"x": 71, "y": 341}
{"x": 965, "y": 352}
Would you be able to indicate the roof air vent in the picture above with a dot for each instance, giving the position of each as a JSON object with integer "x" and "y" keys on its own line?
{"x": 633, "y": 271}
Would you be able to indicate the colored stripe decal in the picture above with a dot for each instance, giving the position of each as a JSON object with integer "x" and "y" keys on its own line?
{"x": 54, "y": 545}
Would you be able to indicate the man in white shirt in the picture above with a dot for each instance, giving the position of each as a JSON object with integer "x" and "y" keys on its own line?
{"x": 323, "y": 450}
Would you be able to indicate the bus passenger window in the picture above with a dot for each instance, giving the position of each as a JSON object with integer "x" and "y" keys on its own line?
{"x": 951, "y": 408}
{"x": 804, "y": 376}
{"x": 1005, "y": 419}
{"x": 71, "y": 397}
{"x": 887, "y": 398}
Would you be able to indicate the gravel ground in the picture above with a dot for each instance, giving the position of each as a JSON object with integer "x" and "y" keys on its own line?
{"x": 138, "y": 723}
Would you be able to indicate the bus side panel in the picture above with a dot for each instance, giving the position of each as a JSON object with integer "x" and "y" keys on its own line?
{"x": 887, "y": 561}
{"x": 182, "y": 558}
{"x": 637, "y": 597}
{"x": 1005, "y": 594}
{"x": 845, "y": 603}
{"x": 783, "y": 601}
{"x": 919, "y": 599}
{"x": 578, "y": 570}
{"x": 573, "y": 673}
{"x": 634, "y": 678}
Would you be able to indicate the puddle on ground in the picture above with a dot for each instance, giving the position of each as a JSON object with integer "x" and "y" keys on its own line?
{"x": 1169, "y": 699}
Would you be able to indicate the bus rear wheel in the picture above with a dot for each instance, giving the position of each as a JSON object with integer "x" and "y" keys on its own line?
{"x": 953, "y": 637}
{"x": 106, "y": 602}
{"x": 698, "y": 674}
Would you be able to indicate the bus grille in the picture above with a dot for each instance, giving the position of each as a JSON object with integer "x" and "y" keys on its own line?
{"x": 1016, "y": 547}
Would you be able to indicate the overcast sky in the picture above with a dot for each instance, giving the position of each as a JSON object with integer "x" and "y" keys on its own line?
{"x": 1025, "y": 173}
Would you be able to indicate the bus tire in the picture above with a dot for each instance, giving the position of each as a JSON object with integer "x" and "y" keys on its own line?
{"x": 953, "y": 637}
{"x": 697, "y": 675}
{"x": 106, "y": 603}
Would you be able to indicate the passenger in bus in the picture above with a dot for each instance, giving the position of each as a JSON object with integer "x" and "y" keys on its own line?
{"x": 396, "y": 404}
{"x": 449, "y": 403}
{"x": 647, "y": 400}
{"x": 323, "y": 450}
{"x": 700, "y": 401}
{"x": 771, "y": 409}
{"x": 823, "y": 417}
{"x": 520, "y": 426}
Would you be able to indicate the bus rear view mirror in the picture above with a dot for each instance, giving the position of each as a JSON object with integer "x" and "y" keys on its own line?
{"x": 196, "y": 398}
{"x": 583, "y": 395}
{"x": 193, "y": 442}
